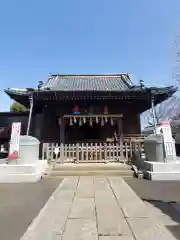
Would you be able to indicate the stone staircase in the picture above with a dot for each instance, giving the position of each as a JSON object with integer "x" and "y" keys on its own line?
{"x": 91, "y": 169}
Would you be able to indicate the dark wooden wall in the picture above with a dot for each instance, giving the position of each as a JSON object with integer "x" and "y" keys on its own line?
{"x": 131, "y": 124}
{"x": 6, "y": 120}
{"x": 51, "y": 128}
{"x": 45, "y": 126}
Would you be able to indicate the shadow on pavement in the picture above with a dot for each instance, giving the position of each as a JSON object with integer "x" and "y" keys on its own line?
{"x": 168, "y": 210}
{"x": 160, "y": 194}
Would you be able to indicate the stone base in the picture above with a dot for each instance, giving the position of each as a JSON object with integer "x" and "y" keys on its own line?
{"x": 22, "y": 173}
{"x": 162, "y": 166}
{"x": 162, "y": 171}
{"x": 162, "y": 176}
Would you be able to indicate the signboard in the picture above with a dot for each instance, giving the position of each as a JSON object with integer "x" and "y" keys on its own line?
{"x": 167, "y": 137}
{"x": 14, "y": 141}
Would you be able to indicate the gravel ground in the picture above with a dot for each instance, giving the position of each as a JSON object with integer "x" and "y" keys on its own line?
{"x": 20, "y": 203}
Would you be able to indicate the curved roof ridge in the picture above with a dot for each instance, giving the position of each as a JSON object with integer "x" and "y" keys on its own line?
{"x": 91, "y": 75}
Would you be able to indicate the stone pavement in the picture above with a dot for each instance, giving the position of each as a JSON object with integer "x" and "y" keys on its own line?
{"x": 96, "y": 208}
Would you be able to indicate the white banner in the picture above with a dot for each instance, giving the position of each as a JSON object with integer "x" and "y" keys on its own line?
{"x": 14, "y": 141}
{"x": 167, "y": 136}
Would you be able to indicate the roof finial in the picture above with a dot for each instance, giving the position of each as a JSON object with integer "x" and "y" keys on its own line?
{"x": 40, "y": 83}
{"x": 141, "y": 82}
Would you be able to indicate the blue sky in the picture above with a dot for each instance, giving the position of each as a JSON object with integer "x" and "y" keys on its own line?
{"x": 39, "y": 37}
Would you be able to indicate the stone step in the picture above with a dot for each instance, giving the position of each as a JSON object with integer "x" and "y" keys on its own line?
{"x": 123, "y": 173}
{"x": 91, "y": 166}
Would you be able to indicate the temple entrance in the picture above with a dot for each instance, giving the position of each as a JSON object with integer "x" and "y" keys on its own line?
{"x": 84, "y": 133}
{"x": 91, "y": 130}
{"x": 91, "y": 133}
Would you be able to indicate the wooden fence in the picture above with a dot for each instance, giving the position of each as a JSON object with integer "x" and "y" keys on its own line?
{"x": 92, "y": 152}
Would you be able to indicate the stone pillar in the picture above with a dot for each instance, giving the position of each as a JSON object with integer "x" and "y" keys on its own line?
{"x": 120, "y": 134}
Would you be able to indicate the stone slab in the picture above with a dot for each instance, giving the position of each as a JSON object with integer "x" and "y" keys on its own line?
{"x": 162, "y": 176}
{"x": 162, "y": 167}
{"x": 83, "y": 208}
{"x": 85, "y": 188}
{"x": 110, "y": 219}
{"x": 121, "y": 214}
{"x": 65, "y": 197}
{"x": 50, "y": 222}
{"x": 154, "y": 211}
{"x": 85, "y": 193}
{"x": 147, "y": 229}
{"x": 53, "y": 224}
{"x": 163, "y": 216}
{"x": 80, "y": 229}
{"x": 71, "y": 183}
{"x": 131, "y": 205}
{"x": 116, "y": 238}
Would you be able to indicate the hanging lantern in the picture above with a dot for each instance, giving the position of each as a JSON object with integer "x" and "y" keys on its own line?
{"x": 90, "y": 122}
{"x": 105, "y": 109}
{"x": 106, "y": 119}
{"x": 102, "y": 122}
{"x": 80, "y": 122}
{"x": 84, "y": 119}
{"x": 70, "y": 122}
{"x": 75, "y": 121}
{"x": 112, "y": 122}
{"x": 97, "y": 120}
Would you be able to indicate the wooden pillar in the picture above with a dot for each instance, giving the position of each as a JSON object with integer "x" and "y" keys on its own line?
{"x": 61, "y": 124}
{"x": 38, "y": 126}
{"x": 120, "y": 134}
{"x": 37, "y": 130}
{"x": 62, "y": 130}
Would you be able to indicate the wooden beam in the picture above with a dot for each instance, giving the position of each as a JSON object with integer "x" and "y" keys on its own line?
{"x": 94, "y": 116}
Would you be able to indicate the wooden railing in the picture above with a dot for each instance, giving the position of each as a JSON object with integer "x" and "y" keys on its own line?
{"x": 92, "y": 152}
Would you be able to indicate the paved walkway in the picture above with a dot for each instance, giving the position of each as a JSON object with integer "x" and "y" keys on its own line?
{"x": 96, "y": 208}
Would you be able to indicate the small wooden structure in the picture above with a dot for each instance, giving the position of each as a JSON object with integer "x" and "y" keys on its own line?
{"x": 87, "y": 118}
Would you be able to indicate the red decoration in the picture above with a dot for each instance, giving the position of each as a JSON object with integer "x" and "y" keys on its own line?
{"x": 14, "y": 155}
{"x": 76, "y": 110}
{"x": 105, "y": 109}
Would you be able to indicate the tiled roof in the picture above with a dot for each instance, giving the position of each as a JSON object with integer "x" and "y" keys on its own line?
{"x": 88, "y": 82}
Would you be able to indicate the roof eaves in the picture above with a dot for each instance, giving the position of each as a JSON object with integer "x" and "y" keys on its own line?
{"x": 164, "y": 90}
{"x": 15, "y": 91}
